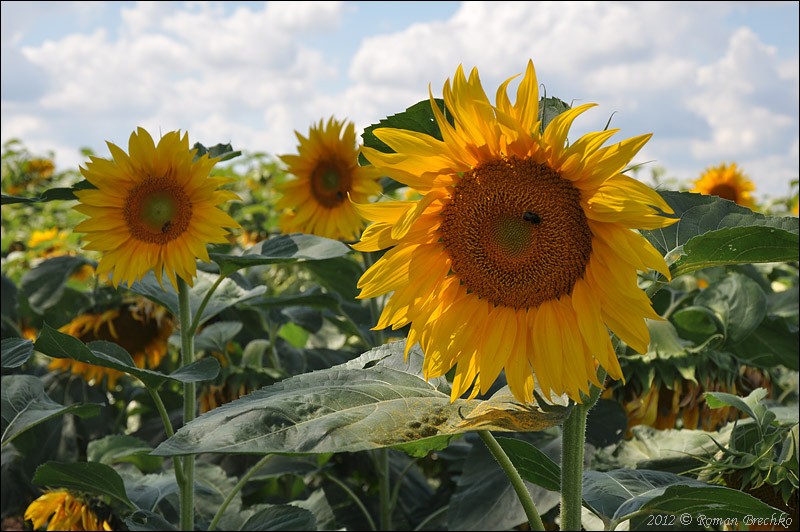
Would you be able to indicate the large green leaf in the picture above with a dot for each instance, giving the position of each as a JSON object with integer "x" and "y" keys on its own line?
{"x": 697, "y": 504}
{"x": 15, "y": 352}
{"x": 88, "y": 477}
{"x": 736, "y": 245}
{"x": 25, "y": 405}
{"x": 739, "y": 303}
{"x": 216, "y": 336}
{"x": 700, "y": 214}
{"x": 121, "y": 448}
{"x": 146, "y": 491}
{"x": 44, "y": 284}
{"x": 716, "y": 232}
{"x": 281, "y": 517}
{"x": 775, "y": 342}
{"x": 605, "y": 492}
{"x": 227, "y": 294}
{"x": 110, "y": 355}
{"x": 280, "y": 249}
{"x": 377, "y": 400}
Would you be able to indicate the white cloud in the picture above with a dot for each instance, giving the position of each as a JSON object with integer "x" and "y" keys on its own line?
{"x": 252, "y": 74}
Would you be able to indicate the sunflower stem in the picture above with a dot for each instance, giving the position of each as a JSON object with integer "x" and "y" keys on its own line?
{"x": 189, "y": 392}
{"x": 517, "y": 483}
{"x": 236, "y": 489}
{"x": 204, "y": 302}
{"x": 385, "y": 488}
{"x": 162, "y": 411}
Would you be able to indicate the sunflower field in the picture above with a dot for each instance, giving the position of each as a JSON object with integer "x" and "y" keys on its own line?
{"x": 462, "y": 319}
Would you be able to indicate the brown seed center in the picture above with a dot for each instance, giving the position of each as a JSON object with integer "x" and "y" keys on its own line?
{"x": 157, "y": 210}
{"x": 516, "y": 233}
{"x": 330, "y": 182}
{"x": 725, "y": 191}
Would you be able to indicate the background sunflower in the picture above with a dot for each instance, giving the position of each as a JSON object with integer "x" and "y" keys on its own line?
{"x": 326, "y": 173}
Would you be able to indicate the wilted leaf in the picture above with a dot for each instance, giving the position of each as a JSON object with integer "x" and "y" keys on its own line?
{"x": 363, "y": 404}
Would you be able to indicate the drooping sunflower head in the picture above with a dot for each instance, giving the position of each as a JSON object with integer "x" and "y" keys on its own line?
{"x": 326, "y": 172}
{"x": 520, "y": 252}
{"x": 139, "y": 326}
{"x": 728, "y": 182}
{"x": 62, "y": 510}
{"x": 153, "y": 208}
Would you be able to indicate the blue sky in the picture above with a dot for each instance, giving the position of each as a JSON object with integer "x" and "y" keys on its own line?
{"x": 713, "y": 81}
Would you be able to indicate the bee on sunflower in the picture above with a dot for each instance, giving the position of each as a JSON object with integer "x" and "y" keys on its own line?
{"x": 63, "y": 510}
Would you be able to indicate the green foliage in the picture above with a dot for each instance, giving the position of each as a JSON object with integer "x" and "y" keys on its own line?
{"x": 308, "y": 416}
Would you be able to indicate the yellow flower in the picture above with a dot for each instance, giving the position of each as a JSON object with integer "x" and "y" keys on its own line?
{"x": 153, "y": 209}
{"x": 727, "y": 182}
{"x": 326, "y": 170}
{"x": 45, "y": 237}
{"x": 520, "y": 252}
{"x": 60, "y": 510}
{"x": 141, "y": 327}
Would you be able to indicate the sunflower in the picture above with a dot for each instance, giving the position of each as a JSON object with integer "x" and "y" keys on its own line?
{"x": 520, "y": 252}
{"x": 153, "y": 209}
{"x": 327, "y": 172}
{"x": 727, "y": 182}
{"x": 678, "y": 402}
{"x": 61, "y": 510}
{"x": 141, "y": 327}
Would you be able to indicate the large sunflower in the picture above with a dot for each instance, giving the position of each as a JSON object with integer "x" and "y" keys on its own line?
{"x": 520, "y": 252}
{"x": 728, "y": 182}
{"x": 154, "y": 208}
{"x": 327, "y": 171}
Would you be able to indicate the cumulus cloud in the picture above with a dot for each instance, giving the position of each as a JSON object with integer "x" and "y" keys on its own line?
{"x": 250, "y": 74}
{"x": 708, "y": 91}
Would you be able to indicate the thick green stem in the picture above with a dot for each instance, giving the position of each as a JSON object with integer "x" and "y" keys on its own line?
{"x": 189, "y": 392}
{"x": 517, "y": 483}
{"x": 236, "y": 489}
{"x": 572, "y": 445}
{"x": 162, "y": 411}
{"x": 382, "y": 461}
{"x": 573, "y": 442}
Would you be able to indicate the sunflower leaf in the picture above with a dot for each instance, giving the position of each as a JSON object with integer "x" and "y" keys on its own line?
{"x": 228, "y": 294}
{"x": 88, "y": 477}
{"x": 45, "y": 284}
{"x": 715, "y": 232}
{"x": 110, "y": 355}
{"x": 377, "y": 400}
{"x": 15, "y": 352}
{"x": 116, "y": 448}
{"x": 284, "y": 248}
{"x": 281, "y": 517}
{"x": 25, "y": 405}
{"x": 737, "y": 245}
{"x": 533, "y": 465}
{"x": 419, "y": 117}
